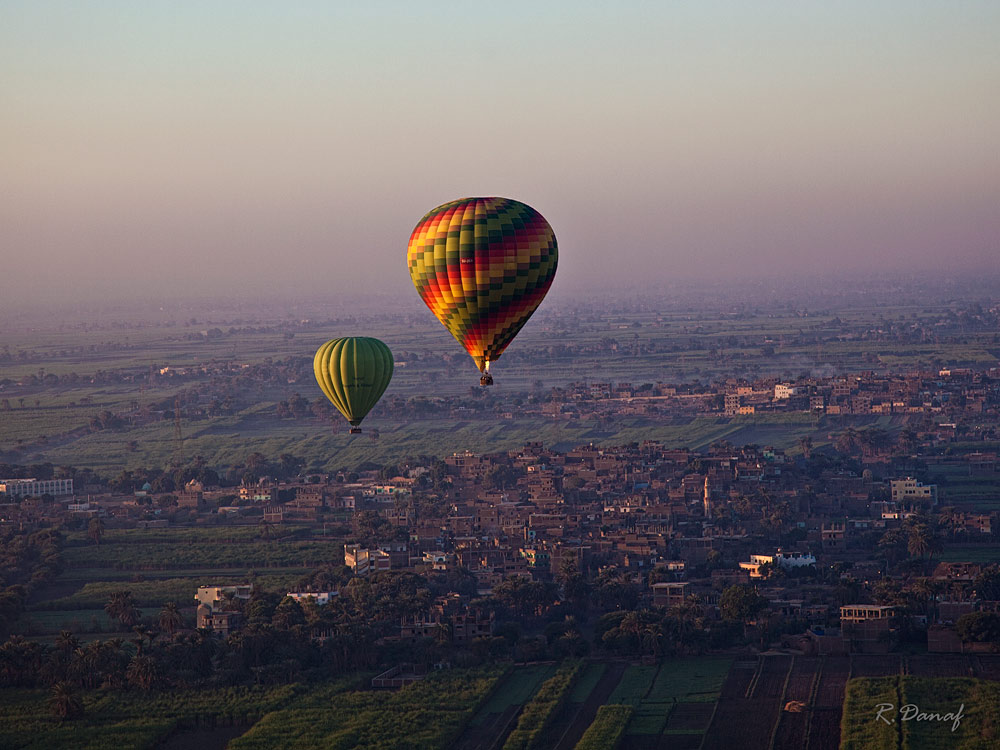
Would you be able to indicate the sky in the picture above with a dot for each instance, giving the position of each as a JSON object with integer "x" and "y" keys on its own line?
{"x": 194, "y": 148}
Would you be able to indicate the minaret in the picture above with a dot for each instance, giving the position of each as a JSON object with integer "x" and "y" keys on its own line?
{"x": 707, "y": 499}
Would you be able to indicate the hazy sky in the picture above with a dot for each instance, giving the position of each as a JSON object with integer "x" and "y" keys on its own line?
{"x": 178, "y": 146}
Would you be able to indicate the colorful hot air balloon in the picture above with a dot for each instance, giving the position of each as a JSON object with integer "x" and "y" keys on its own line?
{"x": 353, "y": 373}
{"x": 482, "y": 265}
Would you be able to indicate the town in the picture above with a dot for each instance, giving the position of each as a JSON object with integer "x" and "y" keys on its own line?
{"x": 842, "y": 547}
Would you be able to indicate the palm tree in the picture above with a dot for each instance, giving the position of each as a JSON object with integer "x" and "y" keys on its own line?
{"x": 907, "y": 439}
{"x": 142, "y": 672}
{"x": 847, "y": 442}
{"x": 95, "y": 530}
{"x": 806, "y": 444}
{"x": 66, "y": 641}
{"x": 122, "y": 607}
{"x": 923, "y": 541}
{"x": 650, "y": 639}
{"x": 142, "y": 635}
{"x": 686, "y": 616}
{"x": 265, "y": 529}
{"x": 170, "y": 618}
{"x": 64, "y": 701}
{"x": 442, "y": 633}
{"x": 87, "y": 664}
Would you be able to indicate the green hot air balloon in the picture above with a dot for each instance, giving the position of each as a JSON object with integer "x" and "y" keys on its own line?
{"x": 353, "y": 372}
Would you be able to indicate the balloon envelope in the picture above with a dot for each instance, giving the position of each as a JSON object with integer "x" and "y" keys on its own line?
{"x": 353, "y": 373}
{"x": 482, "y": 265}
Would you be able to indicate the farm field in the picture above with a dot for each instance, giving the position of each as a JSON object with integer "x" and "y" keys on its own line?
{"x": 168, "y": 565}
{"x": 717, "y": 699}
{"x": 793, "y": 721}
{"x": 749, "y": 704}
{"x": 537, "y": 724}
{"x": 860, "y": 730}
{"x": 588, "y": 698}
{"x": 493, "y": 721}
{"x": 428, "y": 714}
{"x": 940, "y": 698}
{"x": 179, "y": 339}
{"x": 115, "y": 721}
{"x": 677, "y": 703}
{"x": 224, "y": 441}
{"x": 978, "y": 492}
{"x": 45, "y": 422}
{"x": 828, "y": 703}
{"x": 607, "y": 728}
{"x": 979, "y": 553}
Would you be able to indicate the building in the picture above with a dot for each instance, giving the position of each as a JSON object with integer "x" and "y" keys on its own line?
{"x": 537, "y": 559}
{"x": 732, "y": 404}
{"x": 911, "y": 492}
{"x": 784, "y": 560}
{"x": 320, "y": 597}
{"x": 221, "y": 623}
{"x": 214, "y": 597}
{"x": 784, "y": 390}
{"x": 364, "y": 561}
{"x": 26, "y": 487}
{"x": 669, "y": 594}
{"x": 469, "y": 626}
{"x": 833, "y": 535}
{"x": 868, "y": 628}
{"x": 258, "y": 494}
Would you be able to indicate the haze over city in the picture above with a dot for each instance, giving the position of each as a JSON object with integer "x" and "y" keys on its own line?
{"x": 206, "y": 148}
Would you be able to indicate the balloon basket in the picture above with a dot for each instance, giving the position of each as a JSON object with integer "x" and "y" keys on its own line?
{"x": 486, "y": 379}
{"x": 355, "y": 430}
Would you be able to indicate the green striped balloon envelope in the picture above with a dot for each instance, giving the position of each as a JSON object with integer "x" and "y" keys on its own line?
{"x": 353, "y": 373}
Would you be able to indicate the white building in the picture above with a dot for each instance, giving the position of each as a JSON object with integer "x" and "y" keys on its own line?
{"x": 214, "y": 596}
{"x": 25, "y": 487}
{"x": 784, "y": 390}
{"x": 321, "y": 597}
{"x": 784, "y": 560}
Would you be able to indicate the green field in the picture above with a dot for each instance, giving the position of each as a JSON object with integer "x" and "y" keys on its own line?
{"x": 518, "y": 687}
{"x": 245, "y": 555}
{"x": 652, "y": 691}
{"x": 978, "y": 728}
{"x": 981, "y": 494}
{"x": 539, "y": 713}
{"x": 859, "y": 729}
{"x": 689, "y": 680}
{"x": 634, "y": 685}
{"x": 979, "y": 553}
{"x": 168, "y": 565}
{"x": 154, "y": 593}
{"x": 607, "y": 729}
{"x": 938, "y": 699}
{"x": 115, "y": 721}
{"x": 50, "y": 622}
{"x": 592, "y": 674}
{"x": 427, "y": 714}
{"x": 226, "y": 441}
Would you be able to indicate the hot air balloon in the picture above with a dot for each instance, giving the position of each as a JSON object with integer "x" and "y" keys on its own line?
{"x": 353, "y": 373}
{"x": 482, "y": 265}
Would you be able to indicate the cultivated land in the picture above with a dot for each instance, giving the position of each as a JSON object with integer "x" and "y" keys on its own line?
{"x": 168, "y": 565}
{"x": 57, "y": 377}
{"x": 703, "y": 702}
